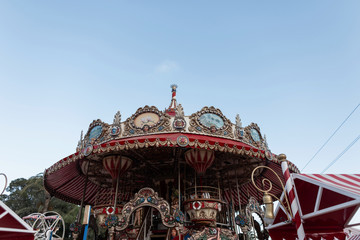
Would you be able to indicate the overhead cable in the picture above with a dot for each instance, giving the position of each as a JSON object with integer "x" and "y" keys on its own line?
{"x": 342, "y": 153}
{"x": 330, "y": 137}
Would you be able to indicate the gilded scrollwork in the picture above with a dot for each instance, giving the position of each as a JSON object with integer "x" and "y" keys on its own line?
{"x": 117, "y": 118}
{"x": 210, "y": 120}
{"x": 147, "y": 197}
{"x": 179, "y": 112}
{"x": 254, "y": 207}
{"x": 239, "y": 130}
{"x": 147, "y": 120}
{"x": 96, "y": 133}
{"x": 179, "y": 121}
{"x": 213, "y": 233}
{"x": 115, "y": 129}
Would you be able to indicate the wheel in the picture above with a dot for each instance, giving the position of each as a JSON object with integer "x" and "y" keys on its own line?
{"x": 49, "y": 225}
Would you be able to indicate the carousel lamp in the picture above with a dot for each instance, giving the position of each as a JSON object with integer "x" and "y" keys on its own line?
{"x": 269, "y": 208}
{"x": 200, "y": 159}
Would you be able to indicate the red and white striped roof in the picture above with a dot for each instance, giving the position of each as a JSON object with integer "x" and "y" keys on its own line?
{"x": 346, "y": 182}
{"x": 12, "y": 226}
{"x": 355, "y": 237}
{"x": 327, "y": 203}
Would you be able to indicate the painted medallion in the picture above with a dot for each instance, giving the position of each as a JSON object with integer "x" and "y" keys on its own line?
{"x": 150, "y": 119}
{"x": 115, "y": 130}
{"x": 87, "y": 150}
{"x": 182, "y": 141}
{"x": 179, "y": 124}
{"x": 95, "y": 133}
{"x": 255, "y": 135}
{"x": 211, "y": 119}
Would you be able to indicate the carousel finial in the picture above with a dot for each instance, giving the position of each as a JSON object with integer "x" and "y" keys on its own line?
{"x": 173, "y": 87}
{"x": 282, "y": 157}
{"x": 173, "y": 90}
{"x": 172, "y": 109}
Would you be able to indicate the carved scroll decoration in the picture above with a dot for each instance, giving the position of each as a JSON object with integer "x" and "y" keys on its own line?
{"x": 162, "y": 125}
{"x": 197, "y": 126}
{"x": 147, "y": 197}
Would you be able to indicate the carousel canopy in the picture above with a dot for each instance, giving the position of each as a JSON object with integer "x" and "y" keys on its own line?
{"x": 156, "y": 142}
{"x": 327, "y": 204}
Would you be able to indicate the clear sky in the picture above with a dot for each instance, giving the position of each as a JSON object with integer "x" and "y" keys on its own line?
{"x": 292, "y": 67}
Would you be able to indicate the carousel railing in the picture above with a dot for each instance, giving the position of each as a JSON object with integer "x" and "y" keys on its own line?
{"x": 203, "y": 203}
{"x": 105, "y": 206}
{"x": 202, "y": 192}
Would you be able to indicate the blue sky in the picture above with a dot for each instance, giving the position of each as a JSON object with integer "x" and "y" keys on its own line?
{"x": 290, "y": 66}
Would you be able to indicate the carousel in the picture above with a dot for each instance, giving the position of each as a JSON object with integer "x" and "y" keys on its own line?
{"x": 164, "y": 175}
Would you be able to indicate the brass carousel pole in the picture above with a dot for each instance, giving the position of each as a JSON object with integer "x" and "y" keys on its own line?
{"x": 238, "y": 194}
{"x": 179, "y": 189}
{"x": 227, "y": 205}
{"x": 76, "y": 225}
{"x": 195, "y": 185}
{"x": 116, "y": 191}
{"x": 112, "y": 229}
{"x": 232, "y": 205}
{"x": 84, "y": 191}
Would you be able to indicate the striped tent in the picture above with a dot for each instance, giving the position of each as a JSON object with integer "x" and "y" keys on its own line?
{"x": 327, "y": 203}
{"x": 12, "y": 226}
{"x": 354, "y": 237}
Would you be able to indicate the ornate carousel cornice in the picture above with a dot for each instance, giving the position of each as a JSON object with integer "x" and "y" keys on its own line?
{"x": 149, "y": 120}
{"x": 167, "y": 140}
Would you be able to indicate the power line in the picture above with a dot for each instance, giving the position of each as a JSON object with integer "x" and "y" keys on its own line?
{"x": 342, "y": 153}
{"x": 331, "y": 137}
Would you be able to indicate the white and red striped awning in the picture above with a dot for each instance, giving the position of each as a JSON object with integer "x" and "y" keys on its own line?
{"x": 327, "y": 203}
{"x": 350, "y": 183}
{"x": 354, "y": 237}
{"x": 12, "y": 226}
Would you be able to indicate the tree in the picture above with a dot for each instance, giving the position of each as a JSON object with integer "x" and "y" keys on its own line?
{"x": 26, "y": 196}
